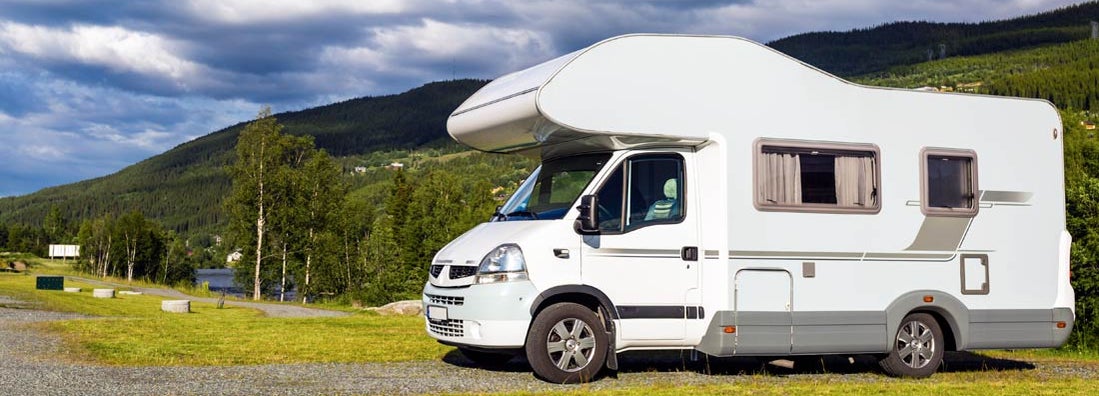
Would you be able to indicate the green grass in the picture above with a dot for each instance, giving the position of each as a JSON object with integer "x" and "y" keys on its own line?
{"x": 136, "y": 333}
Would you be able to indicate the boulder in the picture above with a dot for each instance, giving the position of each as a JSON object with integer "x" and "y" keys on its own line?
{"x": 406, "y": 307}
{"x": 103, "y": 293}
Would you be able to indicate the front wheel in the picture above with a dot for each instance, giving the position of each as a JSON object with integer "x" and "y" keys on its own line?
{"x": 917, "y": 349}
{"x": 567, "y": 344}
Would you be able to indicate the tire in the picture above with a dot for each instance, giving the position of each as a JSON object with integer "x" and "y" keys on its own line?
{"x": 567, "y": 344}
{"x": 487, "y": 359}
{"x": 918, "y": 348}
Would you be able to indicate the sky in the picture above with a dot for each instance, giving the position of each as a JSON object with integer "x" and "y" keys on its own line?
{"x": 90, "y": 87}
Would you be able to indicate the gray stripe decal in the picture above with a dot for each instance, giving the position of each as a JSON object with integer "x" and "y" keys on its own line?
{"x": 940, "y": 233}
{"x": 745, "y": 254}
{"x": 443, "y": 261}
{"x": 652, "y": 253}
{"x": 1007, "y": 197}
{"x": 712, "y": 253}
{"x": 798, "y": 255}
{"x": 909, "y": 256}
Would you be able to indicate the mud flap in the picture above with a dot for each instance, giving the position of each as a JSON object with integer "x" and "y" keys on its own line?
{"x": 612, "y": 354}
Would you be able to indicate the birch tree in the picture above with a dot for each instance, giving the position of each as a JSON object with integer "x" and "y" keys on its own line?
{"x": 257, "y": 174}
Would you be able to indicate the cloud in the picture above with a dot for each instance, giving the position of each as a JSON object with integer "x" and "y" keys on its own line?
{"x": 116, "y": 49}
{"x": 89, "y": 86}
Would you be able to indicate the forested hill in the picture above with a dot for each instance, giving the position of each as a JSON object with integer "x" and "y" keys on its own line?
{"x": 183, "y": 188}
{"x": 863, "y": 51}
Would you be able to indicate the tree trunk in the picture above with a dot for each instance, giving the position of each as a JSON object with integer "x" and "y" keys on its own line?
{"x": 107, "y": 257}
{"x": 131, "y": 250}
{"x": 282, "y": 288}
{"x": 259, "y": 251}
{"x": 164, "y": 276}
{"x": 308, "y": 263}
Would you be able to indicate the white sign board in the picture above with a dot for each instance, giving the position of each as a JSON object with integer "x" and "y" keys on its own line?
{"x": 64, "y": 251}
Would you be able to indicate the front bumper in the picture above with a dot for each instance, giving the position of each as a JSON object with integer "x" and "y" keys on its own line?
{"x": 487, "y": 316}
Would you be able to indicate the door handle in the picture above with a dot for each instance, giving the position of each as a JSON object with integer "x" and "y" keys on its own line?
{"x": 561, "y": 253}
{"x": 689, "y": 253}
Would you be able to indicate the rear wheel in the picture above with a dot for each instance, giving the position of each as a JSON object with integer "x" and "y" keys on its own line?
{"x": 917, "y": 348}
{"x": 567, "y": 344}
{"x": 486, "y": 359}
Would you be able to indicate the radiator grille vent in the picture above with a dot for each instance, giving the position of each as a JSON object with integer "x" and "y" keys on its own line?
{"x": 447, "y": 328}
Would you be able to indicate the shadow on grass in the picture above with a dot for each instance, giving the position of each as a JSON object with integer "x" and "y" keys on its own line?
{"x": 680, "y": 361}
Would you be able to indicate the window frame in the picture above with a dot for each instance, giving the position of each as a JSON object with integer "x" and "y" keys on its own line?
{"x": 623, "y": 165}
{"x": 811, "y": 145}
{"x": 974, "y": 184}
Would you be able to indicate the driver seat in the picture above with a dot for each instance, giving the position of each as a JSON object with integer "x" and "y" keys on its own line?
{"x": 669, "y": 206}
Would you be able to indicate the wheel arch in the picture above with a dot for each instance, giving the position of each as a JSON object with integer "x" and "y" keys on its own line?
{"x": 948, "y": 311}
{"x": 580, "y": 294}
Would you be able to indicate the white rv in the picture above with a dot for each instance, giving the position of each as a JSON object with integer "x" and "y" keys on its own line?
{"x": 712, "y": 194}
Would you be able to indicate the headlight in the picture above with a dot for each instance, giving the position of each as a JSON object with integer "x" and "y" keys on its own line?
{"x": 503, "y": 264}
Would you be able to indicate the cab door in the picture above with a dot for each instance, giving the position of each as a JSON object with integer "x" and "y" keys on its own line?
{"x": 645, "y": 258}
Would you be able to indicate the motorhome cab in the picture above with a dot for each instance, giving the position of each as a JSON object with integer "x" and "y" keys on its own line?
{"x": 712, "y": 194}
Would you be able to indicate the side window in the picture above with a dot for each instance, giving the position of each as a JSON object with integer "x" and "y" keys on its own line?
{"x": 822, "y": 177}
{"x": 646, "y": 189}
{"x": 655, "y": 191}
{"x": 948, "y": 185}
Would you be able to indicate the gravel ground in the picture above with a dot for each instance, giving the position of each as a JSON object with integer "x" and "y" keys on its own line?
{"x": 27, "y": 368}
{"x": 272, "y": 310}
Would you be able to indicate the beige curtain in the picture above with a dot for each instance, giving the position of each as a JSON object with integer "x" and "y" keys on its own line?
{"x": 855, "y": 182}
{"x": 780, "y": 178}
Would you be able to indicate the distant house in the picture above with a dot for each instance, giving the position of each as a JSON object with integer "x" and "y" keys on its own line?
{"x": 969, "y": 87}
{"x": 360, "y": 169}
{"x": 234, "y": 257}
{"x": 394, "y": 166}
{"x": 1088, "y": 124}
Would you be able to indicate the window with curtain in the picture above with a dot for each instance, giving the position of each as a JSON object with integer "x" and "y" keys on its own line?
{"x": 827, "y": 177}
{"x": 949, "y": 182}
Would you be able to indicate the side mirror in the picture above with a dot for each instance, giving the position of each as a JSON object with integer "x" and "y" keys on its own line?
{"x": 588, "y": 221}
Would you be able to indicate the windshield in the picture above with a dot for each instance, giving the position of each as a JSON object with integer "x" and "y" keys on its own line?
{"x": 551, "y": 189}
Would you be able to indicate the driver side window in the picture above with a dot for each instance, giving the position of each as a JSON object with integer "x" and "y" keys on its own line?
{"x": 653, "y": 187}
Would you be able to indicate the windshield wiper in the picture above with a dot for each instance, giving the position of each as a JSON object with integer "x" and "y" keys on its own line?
{"x": 526, "y": 213}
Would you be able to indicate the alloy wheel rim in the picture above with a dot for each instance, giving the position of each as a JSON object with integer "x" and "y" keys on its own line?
{"x": 571, "y": 344}
{"x": 915, "y": 344}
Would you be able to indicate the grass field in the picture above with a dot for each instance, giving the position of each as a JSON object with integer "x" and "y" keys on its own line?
{"x": 980, "y": 383}
{"x": 136, "y": 332}
{"x": 132, "y": 331}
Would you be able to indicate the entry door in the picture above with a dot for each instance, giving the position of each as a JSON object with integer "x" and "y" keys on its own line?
{"x": 645, "y": 257}
{"x": 764, "y": 323}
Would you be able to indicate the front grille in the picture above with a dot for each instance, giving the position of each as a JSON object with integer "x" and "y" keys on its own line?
{"x": 435, "y": 270}
{"x": 445, "y": 300}
{"x": 459, "y": 272}
{"x": 448, "y": 328}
